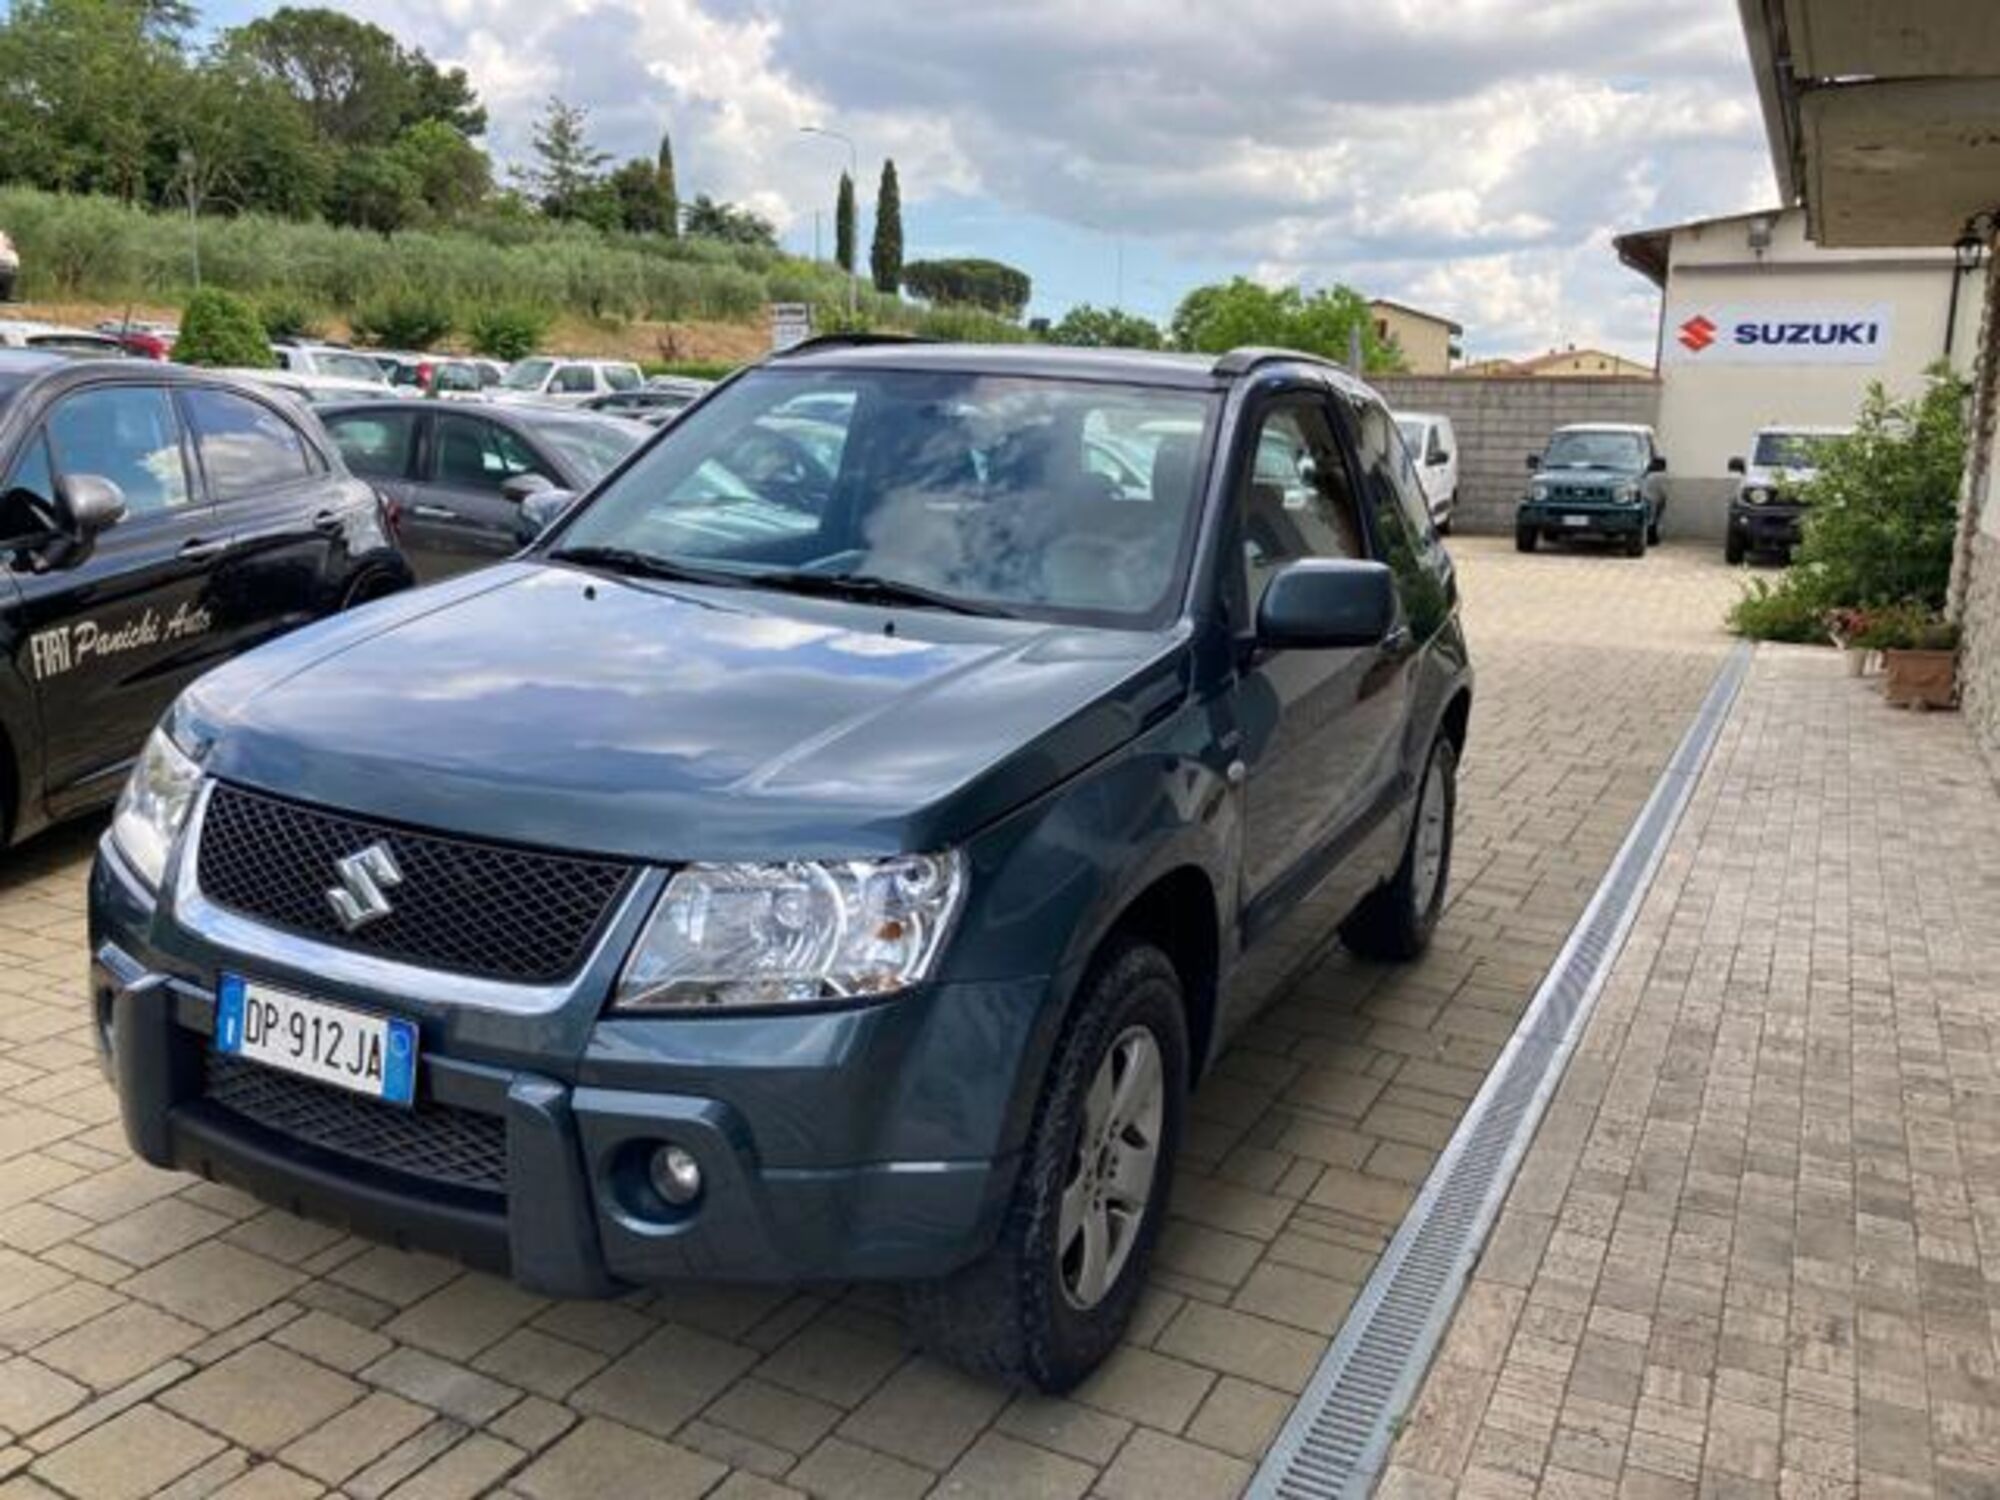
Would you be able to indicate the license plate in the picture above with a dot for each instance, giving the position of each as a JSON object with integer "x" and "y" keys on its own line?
{"x": 1576, "y": 520}
{"x": 350, "y": 1049}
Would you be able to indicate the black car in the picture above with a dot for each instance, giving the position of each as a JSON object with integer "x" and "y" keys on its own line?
{"x": 832, "y": 850}
{"x": 455, "y": 475}
{"x": 155, "y": 521}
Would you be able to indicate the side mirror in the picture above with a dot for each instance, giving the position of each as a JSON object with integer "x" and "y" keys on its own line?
{"x": 1736, "y": 466}
{"x": 540, "y": 511}
{"x": 1327, "y": 602}
{"x": 1658, "y": 465}
{"x": 524, "y": 487}
{"x": 1534, "y": 462}
{"x": 86, "y": 506}
{"x": 1440, "y": 457}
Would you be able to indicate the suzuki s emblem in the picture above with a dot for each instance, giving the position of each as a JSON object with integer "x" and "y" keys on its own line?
{"x": 1697, "y": 333}
{"x": 364, "y": 875}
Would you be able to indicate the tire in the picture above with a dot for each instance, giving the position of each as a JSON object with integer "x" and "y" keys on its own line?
{"x": 1022, "y": 1313}
{"x": 1653, "y": 533}
{"x": 1732, "y": 549}
{"x": 1395, "y": 922}
{"x": 1525, "y": 538}
{"x": 366, "y": 589}
{"x": 1635, "y": 544}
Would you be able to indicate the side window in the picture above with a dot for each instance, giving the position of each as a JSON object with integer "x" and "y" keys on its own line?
{"x": 29, "y": 489}
{"x": 244, "y": 445}
{"x": 1435, "y": 451}
{"x": 128, "y": 435}
{"x": 576, "y": 379}
{"x": 376, "y": 444}
{"x": 479, "y": 455}
{"x": 1408, "y": 541}
{"x": 622, "y": 378}
{"x": 1296, "y": 502}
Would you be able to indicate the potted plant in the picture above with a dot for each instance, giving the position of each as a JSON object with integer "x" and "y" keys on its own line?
{"x": 1845, "y": 626}
{"x": 1919, "y": 656}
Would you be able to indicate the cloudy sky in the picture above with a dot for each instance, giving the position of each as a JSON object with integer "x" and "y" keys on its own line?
{"x": 1473, "y": 156}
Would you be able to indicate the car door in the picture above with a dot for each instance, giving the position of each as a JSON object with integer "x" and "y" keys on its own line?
{"x": 284, "y": 509}
{"x": 458, "y": 518}
{"x": 1308, "y": 724}
{"x": 108, "y": 642}
{"x": 382, "y": 444}
{"x": 574, "y": 384}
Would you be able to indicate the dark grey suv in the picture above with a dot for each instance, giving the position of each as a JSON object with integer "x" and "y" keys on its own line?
{"x": 833, "y": 850}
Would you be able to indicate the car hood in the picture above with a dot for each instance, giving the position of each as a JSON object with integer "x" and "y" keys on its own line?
{"x": 546, "y": 705}
{"x": 1590, "y": 478}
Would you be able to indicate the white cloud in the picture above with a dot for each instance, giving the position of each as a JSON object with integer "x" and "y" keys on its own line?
{"x": 1471, "y": 154}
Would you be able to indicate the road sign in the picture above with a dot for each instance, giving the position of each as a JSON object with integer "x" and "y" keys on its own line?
{"x": 791, "y": 323}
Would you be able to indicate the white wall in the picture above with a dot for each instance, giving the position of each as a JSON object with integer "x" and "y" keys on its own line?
{"x": 1709, "y": 409}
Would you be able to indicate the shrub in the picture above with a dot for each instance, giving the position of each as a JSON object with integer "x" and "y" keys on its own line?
{"x": 1906, "y": 627}
{"x": 507, "y": 332}
{"x": 1882, "y": 518}
{"x": 220, "y": 328}
{"x": 288, "y": 317}
{"x": 693, "y": 369}
{"x": 991, "y": 284}
{"x": 403, "y": 320}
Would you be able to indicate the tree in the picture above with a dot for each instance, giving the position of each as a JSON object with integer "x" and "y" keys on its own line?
{"x": 1228, "y": 315}
{"x": 635, "y": 189}
{"x": 670, "y": 189}
{"x": 843, "y": 225}
{"x": 376, "y": 189}
{"x": 970, "y": 282}
{"x": 569, "y": 166}
{"x": 220, "y": 328}
{"x": 1084, "y": 326}
{"x": 707, "y": 219}
{"x": 452, "y": 175}
{"x": 357, "y": 82}
{"x": 885, "y": 256}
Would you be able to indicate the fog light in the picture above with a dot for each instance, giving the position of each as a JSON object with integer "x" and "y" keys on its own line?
{"x": 676, "y": 1176}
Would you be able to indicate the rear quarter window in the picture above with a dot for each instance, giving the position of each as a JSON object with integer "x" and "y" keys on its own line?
{"x": 245, "y": 446}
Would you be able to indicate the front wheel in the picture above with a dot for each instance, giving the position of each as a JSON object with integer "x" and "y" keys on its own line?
{"x": 1046, "y": 1304}
{"x": 1396, "y": 921}
{"x": 1525, "y": 538}
{"x": 1732, "y": 549}
{"x": 1653, "y": 533}
{"x": 1635, "y": 544}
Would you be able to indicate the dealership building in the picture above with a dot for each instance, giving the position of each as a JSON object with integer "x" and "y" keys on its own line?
{"x": 1761, "y": 326}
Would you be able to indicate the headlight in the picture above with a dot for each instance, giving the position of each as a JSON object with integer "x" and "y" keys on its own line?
{"x": 1628, "y": 494}
{"x": 1538, "y": 493}
{"x": 154, "y": 805}
{"x": 795, "y": 933}
{"x": 1758, "y": 494}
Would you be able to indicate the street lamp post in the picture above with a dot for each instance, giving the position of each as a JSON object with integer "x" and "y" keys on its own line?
{"x": 854, "y": 176}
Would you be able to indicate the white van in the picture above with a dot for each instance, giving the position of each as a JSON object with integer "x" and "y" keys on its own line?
{"x": 1434, "y": 450}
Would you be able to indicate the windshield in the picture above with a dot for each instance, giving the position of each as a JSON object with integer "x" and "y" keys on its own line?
{"x": 1413, "y": 434}
{"x": 622, "y": 378}
{"x": 1791, "y": 450}
{"x": 349, "y": 366}
{"x": 593, "y": 449}
{"x": 988, "y": 490}
{"x": 1583, "y": 449}
{"x": 528, "y": 375}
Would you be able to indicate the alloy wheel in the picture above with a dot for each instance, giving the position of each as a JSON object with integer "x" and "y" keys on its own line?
{"x": 1111, "y": 1169}
{"x": 1431, "y": 834}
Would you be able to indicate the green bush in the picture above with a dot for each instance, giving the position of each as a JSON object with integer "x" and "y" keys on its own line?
{"x": 287, "y": 317}
{"x": 220, "y": 328}
{"x": 693, "y": 369}
{"x": 403, "y": 320}
{"x": 1882, "y": 518}
{"x": 507, "y": 332}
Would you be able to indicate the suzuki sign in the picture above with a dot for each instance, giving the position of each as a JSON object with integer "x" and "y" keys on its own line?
{"x": 1779, "y": 333}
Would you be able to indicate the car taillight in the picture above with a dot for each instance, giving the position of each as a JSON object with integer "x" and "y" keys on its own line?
{"x": 392, "y": 515}
{"x": 424, "y": 373}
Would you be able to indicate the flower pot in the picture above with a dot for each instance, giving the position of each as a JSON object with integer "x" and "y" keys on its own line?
{"x": 1856, "y": 658}
{"x": 1920, "y": 679}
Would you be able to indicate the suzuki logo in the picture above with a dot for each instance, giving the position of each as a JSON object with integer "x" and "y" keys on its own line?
{"x": 358, "y": 899}
{"x": 1697, "y": 333}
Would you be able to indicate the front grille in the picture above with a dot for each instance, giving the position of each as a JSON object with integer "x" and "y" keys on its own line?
{"x": 489, "y": 910}
{"x": 437, "y": 1142}
{"x": 1581, "y": 494}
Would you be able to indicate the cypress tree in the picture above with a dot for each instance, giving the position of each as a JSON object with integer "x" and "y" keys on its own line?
{"x": 843, "y": 225}
{"x": 670, "y": 193}
{"x": 885, "y": 257}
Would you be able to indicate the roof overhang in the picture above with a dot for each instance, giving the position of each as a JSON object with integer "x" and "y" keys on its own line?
{"x": 1883, "y": 116}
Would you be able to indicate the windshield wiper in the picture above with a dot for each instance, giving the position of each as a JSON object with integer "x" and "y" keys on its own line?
{"x": 870, "y": 588}
{"x": 645, "y": 565}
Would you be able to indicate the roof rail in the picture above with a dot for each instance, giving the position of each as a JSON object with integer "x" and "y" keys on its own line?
{"x": 1242, "y": 361}
{"x": 845, "y": 341}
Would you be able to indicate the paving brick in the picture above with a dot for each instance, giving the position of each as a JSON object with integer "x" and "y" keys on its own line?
{"x": 356, "y": 1437}
{"x": 840, "y": 1470}
{"x": 136, "y": 1454}
{"x": 124, "y": 1342}
{"x": 664, "y": 1380}
{"x": 213, "y": 1284}
{"x": 32, "y": 1395}
{"x": 999, "y": 1468}
{"x": 1145, "y": 1387}
{"x": 1153, "y": 1466}
{"x": 262, "y": 1397}
{"x": 601, "y": 1459}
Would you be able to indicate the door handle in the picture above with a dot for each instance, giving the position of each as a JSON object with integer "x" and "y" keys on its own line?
{"x": 196, "y": 548}
{"x": 434, "y": 512}
{"x": 1398, "y": 641}
{"x": 329, "y": 522}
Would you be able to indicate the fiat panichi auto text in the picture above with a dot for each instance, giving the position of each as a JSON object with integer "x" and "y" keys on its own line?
{"x": 834, "y": 848}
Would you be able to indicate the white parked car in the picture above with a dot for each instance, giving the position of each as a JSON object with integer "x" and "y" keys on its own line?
{"x": 567, "y": 382}
{"x": 1434, "y": 450}
{"x": 19, "y": 333}
{"x": 314, "y": 390}
{"x": 1768, "y": 511}
{"x": 326, "y": 359}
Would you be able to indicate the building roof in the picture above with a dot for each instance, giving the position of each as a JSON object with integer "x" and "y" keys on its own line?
{"x": 1646, "y": 250}
{"x": 1558, "y": 356}
{"x": 1415, "y": 312}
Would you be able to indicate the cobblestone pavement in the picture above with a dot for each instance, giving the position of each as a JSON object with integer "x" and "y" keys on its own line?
{"x": 164, "y": 1335}
{"x": 1755, "y": 1249}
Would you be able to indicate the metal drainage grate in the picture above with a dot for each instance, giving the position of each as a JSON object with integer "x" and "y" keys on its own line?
{"x": 1338, "y": 1436}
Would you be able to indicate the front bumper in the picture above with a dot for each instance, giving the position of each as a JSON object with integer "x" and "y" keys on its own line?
{"x": 1555, "y": 520}
{"x": 1767, "y": 526}
{"x": 806, "y": 1127}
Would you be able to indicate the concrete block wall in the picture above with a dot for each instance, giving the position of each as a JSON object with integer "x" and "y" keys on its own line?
{"x": 1500, "y": 420}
